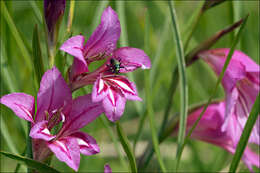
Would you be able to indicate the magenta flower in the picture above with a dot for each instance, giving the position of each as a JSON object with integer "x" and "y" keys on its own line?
{"x": 54, "y": 106}
{"x": 241, "y": 83}
{"x": 109, "y": 87}
{"x": 107, "y": 169}
{"x": 209, "y": 130}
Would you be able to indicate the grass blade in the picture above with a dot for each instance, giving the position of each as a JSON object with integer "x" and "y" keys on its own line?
{"x": 36, "y": 11}
{"x": 183, "y": 82}
{"x": 232, "y": 49}
{"x": 37, "y": 56}
{"x": 71, "y": 14}
{"x": 19, "y": 41}
{"x": 29, "y": 162}
{"x": 245, "y": 135}
{"x": 124, "y": 141}
{"x": 150, "y": 113}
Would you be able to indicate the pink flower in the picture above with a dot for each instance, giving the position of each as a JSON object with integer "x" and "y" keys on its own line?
{"x": 107, "y": 169}
{"x": 209, "y": 130}
{"x": 54, "y": 106}
{"x": 109, "y": 87}
{"x": 241, "y": 83}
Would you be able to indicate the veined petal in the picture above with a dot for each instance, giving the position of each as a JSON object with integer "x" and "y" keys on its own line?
{"x": 100, "y": 90}
{"x": 114, "y": 105}
{"x": 128, "y": 88}
{"x": 53, "y": 94}
{"x": 131, "y": 59}
{"x": 66, "y": 150}
{"x": 87, "y": 143}
{"x": 74, "y": 46}
{"x": 83, "y": 112}
{"x": 21, "y": 104}
{"x": 103, "y": 40}
{"x": 40, "y": 131}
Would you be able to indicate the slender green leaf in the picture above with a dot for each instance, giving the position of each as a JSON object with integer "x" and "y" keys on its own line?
{"x": 19, "y": 41}
{"x": 29, "y": 162}
{"x": 150, "y": 113}
{"x": 36, "y": 11}
{"x": 254, "y": 114}
{"x": 124, "y": 141}
{"x": 183, "y": 82}
{"x": 113, "y": 137}
{"x": 37, "y": 56}
{"x": 146, "y": 49}
{"x": 71, "y": 14}
{"x": 232, "y": 49}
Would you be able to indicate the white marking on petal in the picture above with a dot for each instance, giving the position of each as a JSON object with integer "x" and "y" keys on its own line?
{"x": 112, "y": 96}
{"x": 144, "y": 67}
{"x": 46, "y": 131}
{"x": 123, "y": 85}
{"x": 82, "y": 142}
{"x": 100, "y": 86}
{"x": 62, "y": 145}
{"x": 26, "y": 111}
{"x": 62, "y": 117}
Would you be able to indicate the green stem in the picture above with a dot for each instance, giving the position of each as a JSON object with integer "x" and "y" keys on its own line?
{"x": 125, "y": 144}
{"x": 29, "y": 146}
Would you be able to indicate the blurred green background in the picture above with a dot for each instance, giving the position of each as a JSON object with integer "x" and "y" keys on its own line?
{"x": 197, "y": 156}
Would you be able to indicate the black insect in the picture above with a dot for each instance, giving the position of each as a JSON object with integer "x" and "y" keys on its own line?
{"x": 115, "y": 66}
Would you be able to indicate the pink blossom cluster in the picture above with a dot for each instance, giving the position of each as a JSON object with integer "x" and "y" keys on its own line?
{"x": 55, "y": 105}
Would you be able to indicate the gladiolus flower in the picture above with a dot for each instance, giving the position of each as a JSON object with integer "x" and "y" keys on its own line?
{"x": 241, "y": 84}
{"x": 209, "y": 130}
{"x": 107, "y": 169}
{"x": 109, "y": 87}
{"x": 54, "y": 106}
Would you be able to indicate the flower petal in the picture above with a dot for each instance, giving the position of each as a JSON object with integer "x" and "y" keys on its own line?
{"x": 250, "y": 158}
{"x": 53, "y": 94}
{"x": 66, "y": 150}
{"x": 131, "y": 59}
{"x": 100, "y": 90}
{"x": 83, "y": 112}
{"x": 103, "y": 40}
{"x": 107, "y": 169}
{"x": 74, "y": 47}
{"x": 114, "y": 105}
{"x": 78, "y": 67}
{"x": 128, "y": 88}
{"x": 22, "y": 105}
{"x": 40, "y": 131}
{"x": 87, "y": 143}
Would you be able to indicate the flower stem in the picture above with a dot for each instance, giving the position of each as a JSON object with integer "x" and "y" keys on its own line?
{"x": 29, "y": 146}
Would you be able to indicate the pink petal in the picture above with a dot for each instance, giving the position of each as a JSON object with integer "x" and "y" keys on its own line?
{"x": 250, "y": 65}
{"x": 131, "y": 59}
{"x": 54, "y": 93}
{"x": 104, "y": 38}
{"x": 128, "y": 88}
{"x": 100, "y": 90}
{"x": 83, "y": 112}
{"x": 250, "y": 158}
{"x": 87, "y": 143}
{"x": 107, "y": 169}
{"x": 74, "y": 47}
{"x": 40, "y": 131}
{"x": 78, "y": 67}
{"x": 22, "y": 105}
{"x": 114, "y": 105}
{"x": 66, "y": 150}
